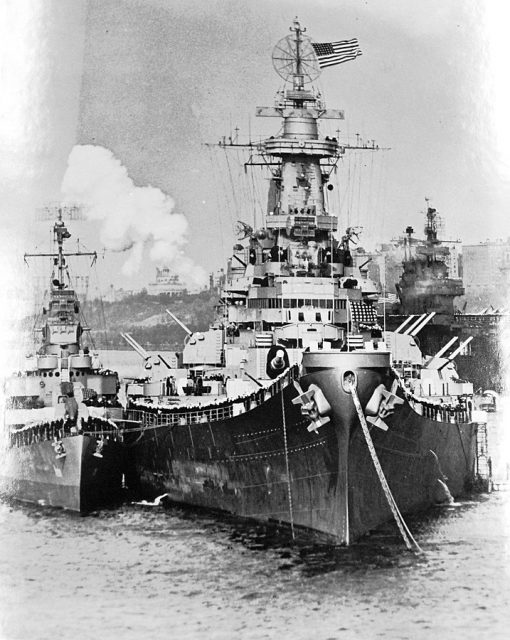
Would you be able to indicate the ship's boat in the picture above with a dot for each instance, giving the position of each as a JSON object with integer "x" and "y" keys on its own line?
{"x": 61, "y": 443}
{"x": 295, "y": 406}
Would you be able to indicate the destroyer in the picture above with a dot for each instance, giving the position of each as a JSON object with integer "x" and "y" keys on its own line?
{"x": 289, "y": 407}
{"x": 62, "y": 446}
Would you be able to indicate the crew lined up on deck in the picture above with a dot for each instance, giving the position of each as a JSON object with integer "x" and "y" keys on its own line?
{"x": 58, "y": 429}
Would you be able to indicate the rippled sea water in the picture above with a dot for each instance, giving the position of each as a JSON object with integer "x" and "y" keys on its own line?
{"x": 156, "y": 572}
{"x": 141, "y": 572}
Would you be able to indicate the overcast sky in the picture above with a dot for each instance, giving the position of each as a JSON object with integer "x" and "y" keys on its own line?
{"x": 151, "y": 81}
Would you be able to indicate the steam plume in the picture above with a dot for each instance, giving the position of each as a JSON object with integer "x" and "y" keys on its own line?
{"x": 131, "y": 217}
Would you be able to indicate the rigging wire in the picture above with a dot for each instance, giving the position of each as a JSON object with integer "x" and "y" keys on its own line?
{"x": 232, "y": 183}
{"x": 360, "y": 178}
{"x": 370, "y": 197}
{"x": 254, "y": 199}
{"x": 102, "y": 314}
{"x": 262, "y": 193}
{"x": 350, "y": 177}
{"x": 214, "y": 164}
{"x": 381, "y": 196}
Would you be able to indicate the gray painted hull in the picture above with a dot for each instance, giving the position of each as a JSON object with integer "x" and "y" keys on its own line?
{"x": 80, "y": 481}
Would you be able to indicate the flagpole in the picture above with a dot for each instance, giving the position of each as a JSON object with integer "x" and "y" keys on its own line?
{"x": 384, "y": 297}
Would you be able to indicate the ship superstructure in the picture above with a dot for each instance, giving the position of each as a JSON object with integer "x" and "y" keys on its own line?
{"x": 425, "y": 283}
{"x": 61, "y": 362}
{"x": 292, "y": 281}
{"x": 425, "y": 286}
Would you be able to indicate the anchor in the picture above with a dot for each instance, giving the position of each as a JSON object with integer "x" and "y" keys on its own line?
{"x": 382, "y": 404}
{"x": 313, "y": 405}
{"x": 60, "y": 451}
{"x": 98, "y": 453}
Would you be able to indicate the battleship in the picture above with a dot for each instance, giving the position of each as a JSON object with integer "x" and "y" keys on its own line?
{"x": 62, "y": 444}
{"x": 296, "y": 406}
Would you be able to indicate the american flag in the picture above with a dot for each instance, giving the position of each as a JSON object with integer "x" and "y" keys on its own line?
{"x": 361, "y": 312}
{"x": 330, "y": 53}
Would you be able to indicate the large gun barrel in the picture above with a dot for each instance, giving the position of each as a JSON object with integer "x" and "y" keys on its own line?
{"x": 417, "y": 328}
{"x": 404, "y": 324}
{"x": 442, "y": 351}
{"x": 452, "y": 356}
{"x": 414, "y": 324}
{"x": 459, "y": 348}
{"x": 435, "y": 359}
{"x": 181, "y": 324}
{"x": 135, "y": 346}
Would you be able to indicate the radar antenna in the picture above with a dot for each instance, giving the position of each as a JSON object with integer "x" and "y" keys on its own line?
{"x": 242, "y": 230}
{"x": 60, "y": 212}
{"x": 294, "y": 57}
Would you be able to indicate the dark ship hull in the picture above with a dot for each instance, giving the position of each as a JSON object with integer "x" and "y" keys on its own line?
{"x": 78, "y": 481}
{"x": 239, "y": 464}
{"x": 484, "y": 365}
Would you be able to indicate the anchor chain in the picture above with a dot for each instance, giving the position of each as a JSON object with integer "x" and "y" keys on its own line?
{"x": 289, "y": 491}
{"x": 407, "y": 536}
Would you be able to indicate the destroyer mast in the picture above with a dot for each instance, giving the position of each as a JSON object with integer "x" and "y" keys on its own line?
{"x": 62, "y": 329}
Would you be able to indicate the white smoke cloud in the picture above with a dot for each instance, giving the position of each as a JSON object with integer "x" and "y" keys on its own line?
{"x": 132, "y": 218}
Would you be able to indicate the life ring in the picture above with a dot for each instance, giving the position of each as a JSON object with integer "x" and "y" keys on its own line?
{"x": 301, "y": 144}
{"x": 42, "y": 384}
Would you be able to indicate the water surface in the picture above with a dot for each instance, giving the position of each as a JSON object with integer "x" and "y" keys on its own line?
{"x": 140, "y": 572}
{"x": 155, "y": 572}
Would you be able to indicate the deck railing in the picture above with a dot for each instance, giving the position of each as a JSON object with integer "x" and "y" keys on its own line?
{"x": 442, "y": 411}
{"x": 58, "y": 429}
{"x": 157, "y": 416}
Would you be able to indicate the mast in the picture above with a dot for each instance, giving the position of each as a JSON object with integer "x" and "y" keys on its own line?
{"x": 60, "y": 234}
{"x": 293, "y": 272}
{"x": 298, "y": 81}
{"x": 62, "y": 329}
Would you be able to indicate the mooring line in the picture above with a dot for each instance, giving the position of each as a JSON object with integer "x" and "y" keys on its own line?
{"x": 401, "y": 524}
{"x": 289, "y": 491}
